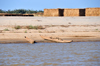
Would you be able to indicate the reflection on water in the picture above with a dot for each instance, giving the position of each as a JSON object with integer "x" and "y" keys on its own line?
{"x": 51, "y": 54}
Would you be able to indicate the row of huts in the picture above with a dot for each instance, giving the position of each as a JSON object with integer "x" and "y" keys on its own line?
{"x": 62, "y": 12}
{"x": 72, "y": 12}
{"x": 8, "y": 14}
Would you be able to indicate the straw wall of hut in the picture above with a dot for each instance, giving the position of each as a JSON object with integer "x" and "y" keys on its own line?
{"x": 51, "y": 12}
{"x": 71, "y": 12}
{"x": 92, "y": 12}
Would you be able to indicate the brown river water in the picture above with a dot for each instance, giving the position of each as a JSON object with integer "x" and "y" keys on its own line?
{"x": 50, "y": 54}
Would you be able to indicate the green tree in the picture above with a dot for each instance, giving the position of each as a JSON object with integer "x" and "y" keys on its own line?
{"x": 21, "y": 11}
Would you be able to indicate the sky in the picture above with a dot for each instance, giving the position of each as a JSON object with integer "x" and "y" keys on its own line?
{"x": 49, "y": 4}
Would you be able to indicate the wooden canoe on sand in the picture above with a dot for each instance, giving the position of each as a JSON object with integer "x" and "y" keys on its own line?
{"x": 56, "y": 39}
{"x": 29, "y": 40}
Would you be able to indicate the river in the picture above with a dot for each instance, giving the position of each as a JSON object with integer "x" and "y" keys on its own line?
{"x": 50, "y": 54}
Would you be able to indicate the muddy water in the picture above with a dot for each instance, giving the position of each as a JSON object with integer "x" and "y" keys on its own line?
{"x": 50, "y": 54}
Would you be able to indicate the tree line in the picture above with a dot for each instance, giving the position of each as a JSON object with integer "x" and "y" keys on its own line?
{"x": 21, "y": 11}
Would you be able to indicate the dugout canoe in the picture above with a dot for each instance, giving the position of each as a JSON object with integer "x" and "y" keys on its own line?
{"x": 56, "y": 39}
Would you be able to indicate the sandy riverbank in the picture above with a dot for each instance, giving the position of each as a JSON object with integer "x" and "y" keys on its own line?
{"x": 75, "y": 36}
{"x": 75, "y": 28}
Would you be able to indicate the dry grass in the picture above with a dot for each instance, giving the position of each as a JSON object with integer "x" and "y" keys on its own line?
{"x": 0, "y": 31}
{"x": 64, "y": 25}
{"x": 38, "y": 27}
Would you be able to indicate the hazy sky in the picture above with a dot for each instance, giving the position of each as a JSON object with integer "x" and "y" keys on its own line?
{"x": 41, "y": 4}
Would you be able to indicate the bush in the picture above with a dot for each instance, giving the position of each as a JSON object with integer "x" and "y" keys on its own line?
{"x": 40, "y": 32}
{"x": 30, "y": 27}
{"x": 96, "y": 29}
{"x": 35, "y": 27}
{"x": 17, "y": 27}
{"x": 6, "y": 29}
{"x": 25, "y": 31}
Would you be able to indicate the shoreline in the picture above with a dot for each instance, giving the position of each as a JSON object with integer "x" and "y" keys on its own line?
{"x": 14, "y": 41}
{"x": 6, "y": 38}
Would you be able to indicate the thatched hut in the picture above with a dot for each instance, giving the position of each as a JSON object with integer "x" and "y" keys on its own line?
{"x": 92, "y": 12}
{"x": 27, "y": 15}
{"x": 53, "y": 12}
{"x": 74, "y": 12}
{"x": 38, "y": 14}
{"x": 3, "y": 14}
{"x": 8, "y": 14}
